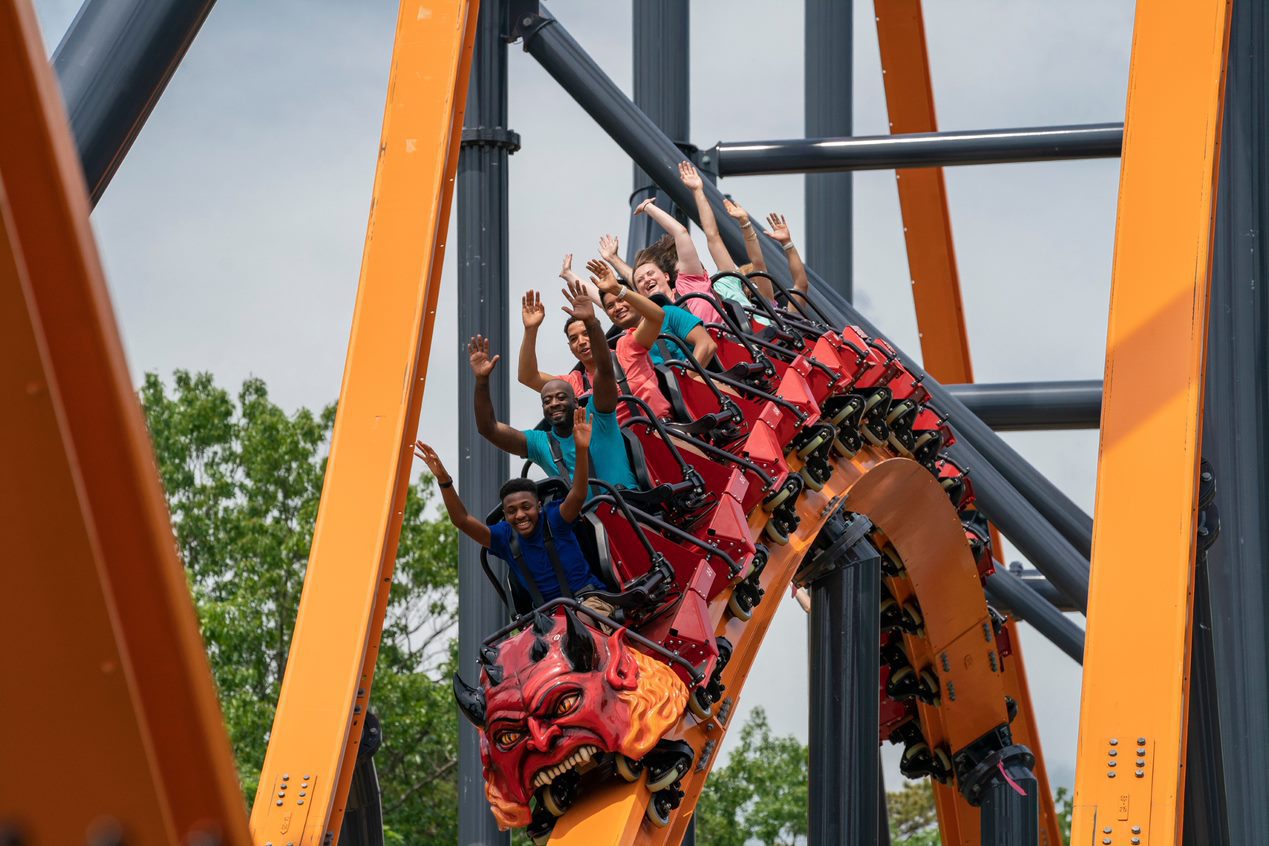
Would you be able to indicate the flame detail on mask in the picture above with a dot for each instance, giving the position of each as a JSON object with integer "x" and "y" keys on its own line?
{"x": 655, "y": 704}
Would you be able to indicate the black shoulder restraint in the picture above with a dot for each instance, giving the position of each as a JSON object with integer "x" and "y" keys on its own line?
{"x": 548, "y": 539}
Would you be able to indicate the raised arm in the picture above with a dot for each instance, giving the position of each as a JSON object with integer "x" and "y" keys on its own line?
{"x": 610, "y": 250}
{"x": 703, "y": 345}
{"x": 689, "y": 261}
{"x": 463, "y": 521}
{"x": 499, "y": 434}
{"x": 780, "y": 232}
{"x": 582, "y": 306}
{"x": 717, "y": 249}
{"x": 653, "y": 315}
{"x": 532, "y": 312}
{"x": 571, "y": 507}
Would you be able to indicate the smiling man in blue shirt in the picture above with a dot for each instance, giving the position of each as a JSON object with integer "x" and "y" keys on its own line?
{"x": 554, "y": 451}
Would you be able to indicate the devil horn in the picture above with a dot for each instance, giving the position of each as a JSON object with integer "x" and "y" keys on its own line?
{"x": 488, "y": 655}
{"x": 541, "y": 623}
{"x": 579, "y": 648}
{"x": 539, "y": 649}
{"x": 471, "y": 701}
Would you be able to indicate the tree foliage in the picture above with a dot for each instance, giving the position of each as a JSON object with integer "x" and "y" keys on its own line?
{"x": 243, "y": 479}
{"x": 759, "y": 794}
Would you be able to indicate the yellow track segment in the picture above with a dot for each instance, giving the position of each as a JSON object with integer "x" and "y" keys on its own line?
{"x": 910, "y": 507}
{"x": 1133, "y": 715}
{"x": 109, "y": 715}
{"x": 317, "y": 728}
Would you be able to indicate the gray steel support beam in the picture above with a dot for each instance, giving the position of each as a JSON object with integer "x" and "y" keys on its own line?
{"x": 1029, "y": 509}
{"x": 1035, "y": 580}
{"x": 482, "y": 309}
{"x": 1206, "y": 818}
{"x": 1235, "y": 422}
{"x": 842, "y": 154}
{"x": 113, "y": 64}
{"x": 662, "y": 74}
{"x": 1011, "y": 809}
{"x": 1028, "y": 406}
{"x": 828, "y": 74}
{"x": 844, "y": 642}
{"x": 1007, "y": 591}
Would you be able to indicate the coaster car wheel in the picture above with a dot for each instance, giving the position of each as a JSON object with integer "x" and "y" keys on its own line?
{"x": 701, "y": 704}
{"x": 668, "y": 762}
{"x": 791, "y": 488}
{"x": 776, "y": 534}
{"x": 628, "y": 768}
{"x": 739, "y": 608}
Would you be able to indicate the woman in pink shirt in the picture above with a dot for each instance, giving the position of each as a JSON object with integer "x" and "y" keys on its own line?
{"x": 641, "y": 318}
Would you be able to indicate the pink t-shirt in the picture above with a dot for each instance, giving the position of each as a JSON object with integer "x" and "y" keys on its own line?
{"x": 579, "y": 381}
{"x": 640, "y": 377}
{"x": 694, "y": 283}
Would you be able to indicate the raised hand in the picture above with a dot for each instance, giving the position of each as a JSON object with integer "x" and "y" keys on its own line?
{"x": 566, "y": 268}
{"x": 603, "y": 279}
{"x": 608, "y": 247}
{"x": 432, "y": 460}
{"x": 581, "y": 429}
{"x": 580, "y": 305}
{"x": 689, "y": 177}
{"x": 532, "y": 312}
{"x": 735, "y": 211}
{"x": 478, "y": 357}
{"x": 651, "y": 201}
{"x": 779, "y": 229}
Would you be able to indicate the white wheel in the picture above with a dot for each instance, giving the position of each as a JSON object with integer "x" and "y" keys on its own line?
{"x": 812, "y": 445}
{"x": 779, "y": 497}
{"x": 873, "y": 401}
{"x": 811, "y": 482}
{"x": 669, "y": 777}
{"x": 872, "y": 439}
{"x": 548, "y": 799}
{"x": 699, "y": 711}
{"x": 738, "y": 610}
{"x": 925, "y": 438}
{"x": 898, "y": 447}
{"x": 775, "y": 535}
{"x": 843, "y": 450}
{"x": 654, "y": 814}
{"x": 628, "y": 769}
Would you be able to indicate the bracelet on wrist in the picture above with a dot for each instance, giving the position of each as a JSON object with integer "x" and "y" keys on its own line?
{"x": 448, "y": 483}
{"x": 746, "y": 225}
{"x": 787, "y": 246}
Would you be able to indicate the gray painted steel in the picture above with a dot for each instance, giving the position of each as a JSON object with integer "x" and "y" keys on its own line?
{"x": 1010, "y": 818}
{"x": 1035, "y": 580}
{"x": 818, "y": 153}
{"x": 113, "y": 64}
{"x": 1007, "y": 591}
{"x": 1022, "y": 506}
{"x": 1206, "y": 818}
{"x": 1235, "y": 420}
{"x": 662, "y": 73}
{"x": 844, "y": 642}
{"x": 482, "y": 308}
{"x": 1025, "y": 406}
{"x": 829, "y": 56}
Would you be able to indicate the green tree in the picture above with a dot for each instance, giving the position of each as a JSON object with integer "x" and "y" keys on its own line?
{"x": 913, "y": 817}
{"x": 759, "y": 794}
{"x": 243, "y": 479}
{"x": 1065, "y": 805}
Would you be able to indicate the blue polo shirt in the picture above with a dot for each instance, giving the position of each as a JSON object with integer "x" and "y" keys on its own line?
{"x": 538, "y": 561}
{"x": 607, "y": 451}
{"x": 678, "y": 322}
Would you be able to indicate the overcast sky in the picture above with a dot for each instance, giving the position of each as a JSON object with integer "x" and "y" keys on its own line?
{"x": 232, "y": 233}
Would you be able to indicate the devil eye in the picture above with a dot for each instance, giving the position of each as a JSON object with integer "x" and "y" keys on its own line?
{"x": 506, "y": 738}
{"x": 567, "y": 704}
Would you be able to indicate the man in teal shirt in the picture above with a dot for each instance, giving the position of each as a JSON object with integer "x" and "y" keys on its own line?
{"x": 609, "y": 461}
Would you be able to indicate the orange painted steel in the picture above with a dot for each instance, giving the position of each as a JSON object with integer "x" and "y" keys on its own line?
{"x": 927, "y": 227}
{"x": 910, "y": 507}
{"x": 940, "y": 311}
{"x": 100, "y": 560}
{"x": 317, "y": 728}
{"x": 1136, "y": 663}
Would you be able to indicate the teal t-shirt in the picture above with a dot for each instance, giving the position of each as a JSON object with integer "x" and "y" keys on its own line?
{"x": 730, "y": 288}
{"x": 607, "y": 451}
{"x": 678, "y": 322}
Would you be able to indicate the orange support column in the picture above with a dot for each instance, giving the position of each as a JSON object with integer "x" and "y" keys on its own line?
{"x": 110, "y": 716}
{"x": 1131, "y": 768}
{"x": 927, "y": 229}
{"x": 325, "y": 692}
